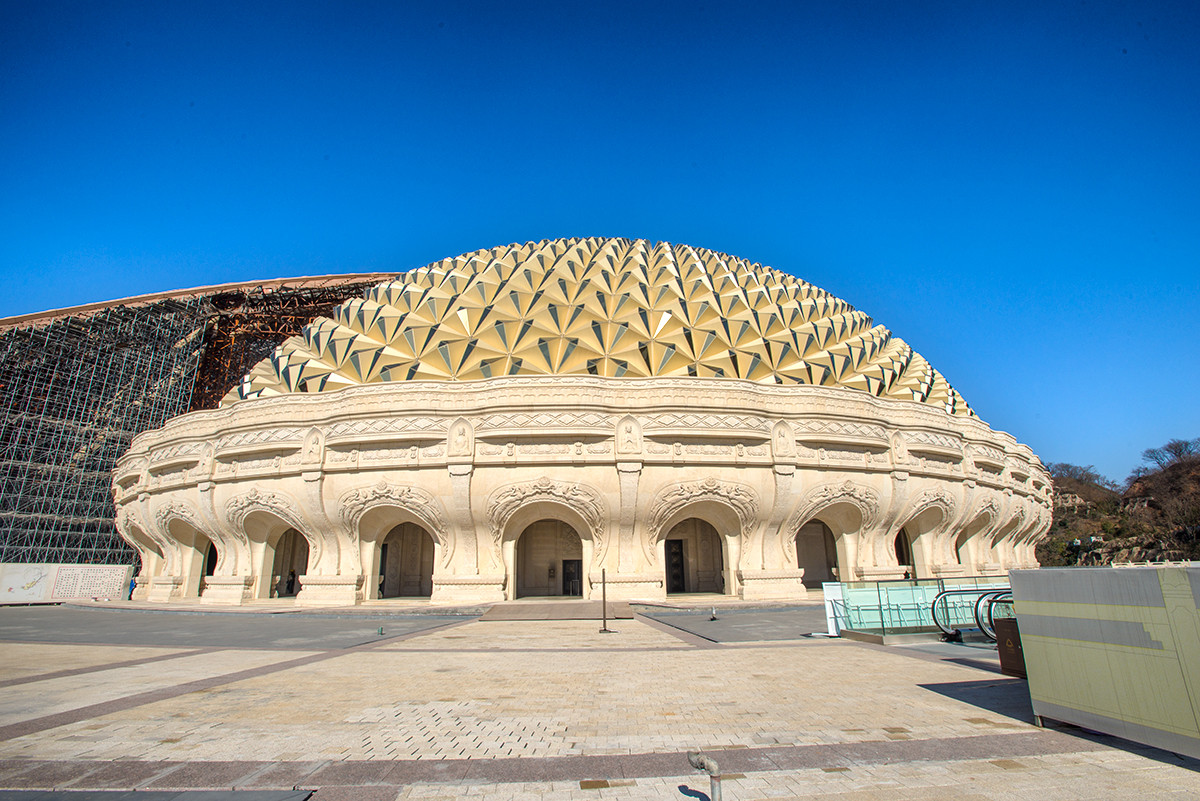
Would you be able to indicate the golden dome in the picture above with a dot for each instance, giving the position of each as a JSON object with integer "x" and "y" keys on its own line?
{"x": 616, "y": 308}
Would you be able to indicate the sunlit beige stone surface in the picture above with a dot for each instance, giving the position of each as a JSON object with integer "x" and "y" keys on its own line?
{"x": 525, "y": 420}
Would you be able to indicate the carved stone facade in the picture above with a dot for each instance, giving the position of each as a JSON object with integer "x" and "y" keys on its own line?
{"x": 620, "y": 461}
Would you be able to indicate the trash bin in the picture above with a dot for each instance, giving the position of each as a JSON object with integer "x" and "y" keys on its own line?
{"x": 1008, "y": 642}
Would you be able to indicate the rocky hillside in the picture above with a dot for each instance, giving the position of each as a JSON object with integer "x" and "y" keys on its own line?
{"x": 1155, "y": 517}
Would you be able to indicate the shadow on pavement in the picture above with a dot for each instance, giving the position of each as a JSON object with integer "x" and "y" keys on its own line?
{"x": 58, "y": 624}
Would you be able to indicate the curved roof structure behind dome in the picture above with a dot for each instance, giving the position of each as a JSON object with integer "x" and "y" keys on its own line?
{"x": 616, "y": 308}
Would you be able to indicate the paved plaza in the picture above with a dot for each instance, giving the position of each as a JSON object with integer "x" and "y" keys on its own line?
{"x": 528, "y": 705}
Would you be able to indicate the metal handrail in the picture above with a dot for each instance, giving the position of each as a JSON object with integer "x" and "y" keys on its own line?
{"x": 986, "y": 619}
{"x": 953, "y": 632}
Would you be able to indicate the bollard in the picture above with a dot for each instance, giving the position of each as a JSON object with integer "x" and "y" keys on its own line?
{"x": 381, "y": 631}
{"x": 604, "y": 629}
{"x": 700, "y": 762}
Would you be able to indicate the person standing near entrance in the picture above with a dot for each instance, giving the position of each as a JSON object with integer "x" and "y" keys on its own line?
{"x": 291, "y": 583}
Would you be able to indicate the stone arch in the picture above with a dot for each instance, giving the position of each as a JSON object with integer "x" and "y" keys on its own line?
{"x": 816, "y": 552}
{"x": 731, "y": 509}
{"x": 512, "y": 509}
{"x": 997, "y": 556}
{"x": 695, "y": 558}
{"x": 846, "y": 508}
{"x": 539, "y": 550}
{"x": 1027, "y": 541}
{"x": 263, "y": 518}
{"x": 927, "y": 516}
{"x": 401, "y": 563}
{"x": 967, "y": 541}
{"x": 372, "y": 513}
{"x": 182, "y": 525}
{"x": 150, "y": 550}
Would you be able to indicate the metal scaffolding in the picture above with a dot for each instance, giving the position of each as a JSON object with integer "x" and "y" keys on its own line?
{"x": 74, "y": 390}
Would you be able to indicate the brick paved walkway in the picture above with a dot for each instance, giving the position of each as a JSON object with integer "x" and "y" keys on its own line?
{"x": 541, "y": 709}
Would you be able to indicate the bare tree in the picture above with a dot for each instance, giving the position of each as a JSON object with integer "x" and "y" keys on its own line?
{"x": 1174, "y": 452}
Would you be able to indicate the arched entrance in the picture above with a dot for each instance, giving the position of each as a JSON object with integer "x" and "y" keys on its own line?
{"x": 549, "y": 560}
{"x": 291, "y": 562}
{"x": 816, "y": 553}
{"x": 904, "y": 553}
{"x": 694, "y": 559}
{"x": 406, "y": 563}
{"x": 966, "y": 543}
{"x": 198, "y": 552}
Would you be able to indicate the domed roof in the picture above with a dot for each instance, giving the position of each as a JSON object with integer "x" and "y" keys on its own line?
{"x": 616, "y": 308}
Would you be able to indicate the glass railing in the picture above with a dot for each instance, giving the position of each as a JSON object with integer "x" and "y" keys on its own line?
{"x": 905, "y": 605}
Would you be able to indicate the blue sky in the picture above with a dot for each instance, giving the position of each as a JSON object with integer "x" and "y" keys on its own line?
{"x": 1013, "y": 188}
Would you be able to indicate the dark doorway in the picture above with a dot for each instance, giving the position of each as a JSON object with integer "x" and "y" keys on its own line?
{"x": 572, "y": 577}
{"x": 210, "y": 562}
{"x": 675, "y": 567}
{"x": 904, "y": 551}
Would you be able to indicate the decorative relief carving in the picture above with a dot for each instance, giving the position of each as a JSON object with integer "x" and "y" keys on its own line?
{"x": 421, "y": 504}
{"x": 934, "y": 497}
{"x": 705, "y": 421}
{"x": 258, "y": 464}
{"x": 989, "y": 508}
{"x": 629, "y": 435}
{"x": 260, "y": 437}
{"x": 676, "y": 497}
{"x": 387, "y": 425}
{"x": 239, "y": 506}
{"x": 171, "y": 476}
{"x": 844, "y": 454}
{"x": 842, "y": 428}
{"x": 657, "y": 447}
{"x": 701, "y": 449}
{"x": 988, "y": 452}
{"x": 917, "y": 438}
{"x": 171, "y": 451}
{"x": 204, "y": 466}
{"x": 863, "y": 498}
{"x": 387, "y": 454}
{"x": 177, "y": 510}
{"x": 564, "y": 419}
{"x": 783, "y": 440}
{"x": 936, "y": 463}
{"x": 543, "y": 448}
{"x": 462, "y": 438}
{"x": 584, "y": 500}
{"x": 314, "y": 443}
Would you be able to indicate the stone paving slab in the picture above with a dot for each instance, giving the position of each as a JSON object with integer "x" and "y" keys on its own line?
{"x": 577, "y": 609}
{"x": 194, "y": 795}
{"x": 64, "y": 693}
{"x": 521, "y": 710}
{"x": 24, "y": 661}
{"x": 496, "y": 695}
{"x": 745, "y": 625}
{"x": 141, "y": 627}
